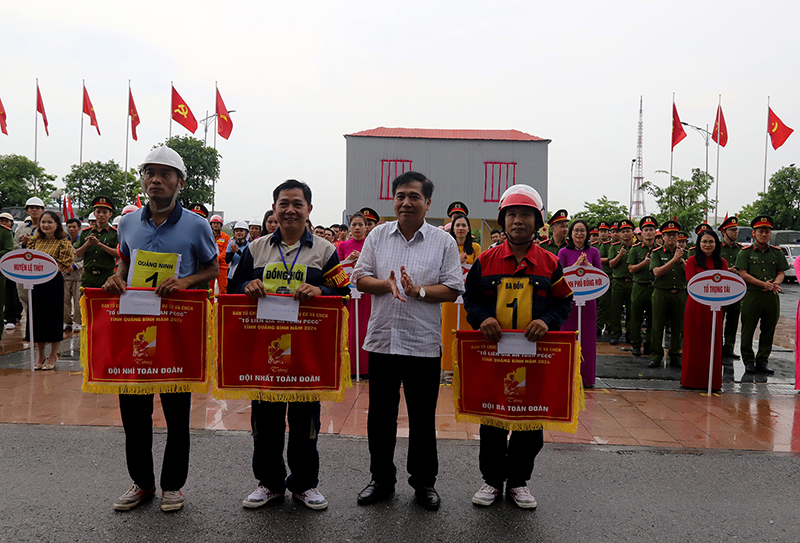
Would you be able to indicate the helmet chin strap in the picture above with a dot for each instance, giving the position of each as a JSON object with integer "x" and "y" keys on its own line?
{"x": 508, "y": 239}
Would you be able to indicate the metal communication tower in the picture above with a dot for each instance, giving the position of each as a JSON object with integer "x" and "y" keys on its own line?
{"x": 637, "y": 199}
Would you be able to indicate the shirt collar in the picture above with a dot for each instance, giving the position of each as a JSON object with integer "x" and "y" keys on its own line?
{"x": 307, "y": 238}
{"x": 505, "y": 252}
{"x": 421, "y": 230}
{"x": 174, "y": 216}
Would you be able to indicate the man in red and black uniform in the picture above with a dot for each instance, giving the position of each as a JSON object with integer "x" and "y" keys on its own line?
{"x": 515, "y": 286}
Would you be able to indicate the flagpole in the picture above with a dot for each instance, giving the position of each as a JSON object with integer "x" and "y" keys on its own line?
{"x": 719, "y": 137}
{"x": 36, "y": 132}
{"x": 171, "y": 90}
{"x": 766, "y": 148}
{"x": 671, "y": 153}
{"x": 216, "y": 129}
{"x": 127, "y": 130}
{"x": 80, "y": 155}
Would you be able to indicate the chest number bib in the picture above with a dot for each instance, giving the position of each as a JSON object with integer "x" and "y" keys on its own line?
{"x": 149, "y": 269}
{"x": 514, "y": 303}
{"x": 279, "y": 281}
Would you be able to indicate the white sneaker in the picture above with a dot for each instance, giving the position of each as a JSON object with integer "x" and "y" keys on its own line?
{"x": 260, "y": 496}
{"x": 486, "y": 495}
{"x": 132, "y": 498}
{"x": 312, "y": 498}
{"x": 10, "y": 326}
{"x": 522, "y": 497}
{"x": 76, "y": 327}
{"x": 171, "y": 500}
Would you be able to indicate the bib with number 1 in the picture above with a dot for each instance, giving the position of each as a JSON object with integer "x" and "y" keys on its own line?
{"x": 149, "y": 269}
{"x": 514, "y": 303}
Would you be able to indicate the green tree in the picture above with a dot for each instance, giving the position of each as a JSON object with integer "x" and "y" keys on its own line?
{"x": 603, "y": 210}
{"x": 91, "y": 179}
{"x": 18, "y": 176}
{"x": 781, "y": 201}
{"x": 684, "y": 199}
{"x": 202, "y": 168}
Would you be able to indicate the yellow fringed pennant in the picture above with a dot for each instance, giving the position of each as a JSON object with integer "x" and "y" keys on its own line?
{"x": 302, "y": 361}
{"x": 138, "y": 354}
{"x": 539, "y": 392}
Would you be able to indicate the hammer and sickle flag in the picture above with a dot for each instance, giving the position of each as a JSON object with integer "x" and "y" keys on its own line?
{"x": 181, "y": 112}
{"x": 224, "y": 123}
{"x": 778, "y": 132}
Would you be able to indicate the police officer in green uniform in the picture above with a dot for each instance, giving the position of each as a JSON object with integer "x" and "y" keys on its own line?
{"x": 98, "y": 245}
{"x": 559, "y": 225}
{"x": 669, "y": 295}
{"x": 457, "y": 207}
{"x": 594, "y": 237}
{"x": 642, "y": 292}
{"x": 730, "y": 313}
{"x": 761, "y": 266}
{"x": 692, "y": 250}
{"x": 621, "y": 282}
{"x": 604, "y": 302}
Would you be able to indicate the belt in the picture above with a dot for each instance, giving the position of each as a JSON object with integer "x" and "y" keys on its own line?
{"x": 645, "y": 283}
{"x": 673, "y": 290}
{"x": 624, "y": 280}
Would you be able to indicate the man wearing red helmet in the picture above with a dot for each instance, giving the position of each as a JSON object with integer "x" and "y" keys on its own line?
{"x": 515, "y": 286}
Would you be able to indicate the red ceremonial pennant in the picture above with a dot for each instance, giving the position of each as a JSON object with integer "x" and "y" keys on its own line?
{"x": 300, "y": 361}
{"x": 138, "y": 354}
{"x": 543, "y": 391}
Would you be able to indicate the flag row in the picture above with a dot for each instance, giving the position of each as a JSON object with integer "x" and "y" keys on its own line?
{"x": 181, "y": 113}
{"x": 778, "y": 132}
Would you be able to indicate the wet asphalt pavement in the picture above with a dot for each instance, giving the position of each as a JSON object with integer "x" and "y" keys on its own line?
{"x": 59, "y": 483}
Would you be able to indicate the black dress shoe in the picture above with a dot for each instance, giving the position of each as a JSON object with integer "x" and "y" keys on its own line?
{"x": 614, "y": 341}
{"x": 637, "y": 351}
{"x": 764, "y": 369}
{"x": 428, "y": 498}
{"x": 374, "y": 493}
{"x": 654, "y": 364}
{"x": 750, "y": 367}
{"x": 731, "y": 356}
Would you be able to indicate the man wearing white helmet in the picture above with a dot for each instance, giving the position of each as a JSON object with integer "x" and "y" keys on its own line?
{"x": 236, "y": 246}
{"x": 515, "y": 286}
{"x": 92, "y": 220}
{"x": 34, "y": 207}
{"x": 162, "y": 226}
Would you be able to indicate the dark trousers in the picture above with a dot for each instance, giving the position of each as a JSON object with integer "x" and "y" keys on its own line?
{"x": 419, "y": 377}
{"x": 268, "y": 421}
{"x": 759, "y": 306}
{"x": 510, "y": 461}
{"x": 730, "y": 313}
{"x": 668, "y": 310}
{"x": 641, "y": 308}
{"x": 621, "y": 297}
{"x": 137, "y": 420}
{"x": 13, "y": 309}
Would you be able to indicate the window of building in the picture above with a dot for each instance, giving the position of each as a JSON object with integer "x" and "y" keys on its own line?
{"x": 498, "y": 176}
{"x": 389, "y": 170}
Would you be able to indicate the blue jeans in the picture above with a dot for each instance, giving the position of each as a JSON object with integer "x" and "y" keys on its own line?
{"x": 268, "y": 421}
{"x": 509, "y": 461}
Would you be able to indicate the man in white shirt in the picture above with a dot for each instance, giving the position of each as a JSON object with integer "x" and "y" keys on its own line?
{"x": 410, "y": 268}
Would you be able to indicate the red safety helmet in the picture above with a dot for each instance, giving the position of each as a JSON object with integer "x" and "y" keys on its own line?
{"x": 520, "y": 195}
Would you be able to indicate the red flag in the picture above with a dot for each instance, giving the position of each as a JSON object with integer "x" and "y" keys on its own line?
{"x": 69, "y": 208}
{"x": 182, "y": 113}
{"x": 66, "y": 208}
{"x": 678, "y": 133}
{"x": 720, "y": 132}
{"x": 40, "y": 108}
{"x": 3, "y": 119}
{"x": 88, "y": 109}
{"x": 133, "y": 114}
{"x": 224, "y": 123}
{"x": 138, "y": 201}
{"x": 777, "y": 131}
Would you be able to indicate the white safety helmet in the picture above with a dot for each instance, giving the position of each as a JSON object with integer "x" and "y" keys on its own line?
{"x": 7, "y": 216}
{"x": 216, "y": 218}
{"x": 130, "y": 208}
{"x": 34, "y": 201}
{"x": 241, "y": 225}
{"x": 116, "y": 220}
{"x": 91, "y": 217}
{"x": 165, "y": 156}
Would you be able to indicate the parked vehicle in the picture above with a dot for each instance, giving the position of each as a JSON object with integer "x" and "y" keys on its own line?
{"x": 791, "y": 251}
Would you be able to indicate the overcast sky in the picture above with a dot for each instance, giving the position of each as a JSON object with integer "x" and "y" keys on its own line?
{"x": 302, "y": 74}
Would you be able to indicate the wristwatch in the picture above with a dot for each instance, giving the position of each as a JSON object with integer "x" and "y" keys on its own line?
{"x": 422, "y": 293}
